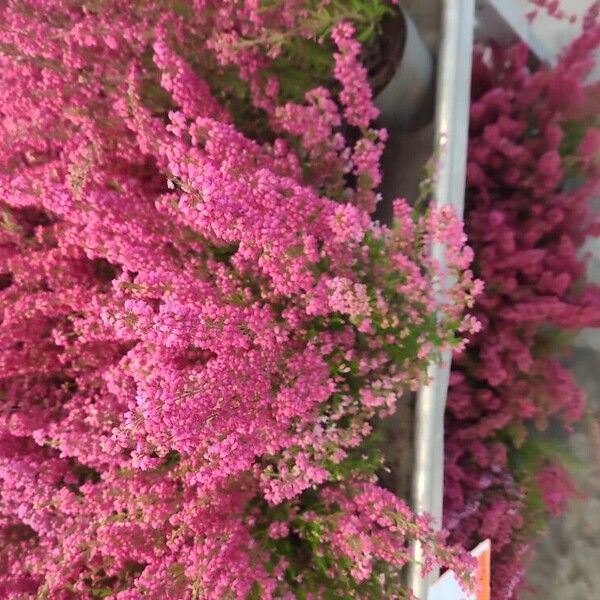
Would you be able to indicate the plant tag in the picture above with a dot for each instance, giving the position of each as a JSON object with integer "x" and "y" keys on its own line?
{"x": 448, "y": 588}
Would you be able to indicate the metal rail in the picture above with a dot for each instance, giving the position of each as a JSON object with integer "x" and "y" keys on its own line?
{"x": 504, "y": 21}
{"x": 452, "y": 127}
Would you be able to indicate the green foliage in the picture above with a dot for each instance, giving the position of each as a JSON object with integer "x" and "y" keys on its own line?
{"x": 365, "y": 460}
{"x": 528, "y": 454}
{"x": 310, "y": 560}
{"x": 573, "y": 132}
{"x": 552, "y": 340}
{"x": 305, "y": 54}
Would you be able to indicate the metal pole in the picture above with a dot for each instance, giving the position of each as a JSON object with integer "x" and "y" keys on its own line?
{"x": 452, "y": 127}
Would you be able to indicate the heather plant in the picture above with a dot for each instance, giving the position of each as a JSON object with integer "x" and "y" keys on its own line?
{"x": 533, "y": 167}
{"x": 200, "y": 321}
{"x": 294, "y": 40}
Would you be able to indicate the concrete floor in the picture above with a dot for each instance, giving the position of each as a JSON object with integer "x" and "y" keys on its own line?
{"x": 566, "y": 563}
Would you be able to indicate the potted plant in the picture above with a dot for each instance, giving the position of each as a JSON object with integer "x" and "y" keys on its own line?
{"x": 201, "y": 322}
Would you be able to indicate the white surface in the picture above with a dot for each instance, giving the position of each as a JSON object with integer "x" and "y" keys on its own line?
{"x": 505, "y": 21}
{"x": 447, "y": 588}
{"x": 555, "y": 34}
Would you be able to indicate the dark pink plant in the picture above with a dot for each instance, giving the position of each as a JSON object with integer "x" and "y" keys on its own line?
{"x": 533, "y": 167}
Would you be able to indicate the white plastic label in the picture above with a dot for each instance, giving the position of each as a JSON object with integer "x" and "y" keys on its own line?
{"x": 448, "y": 588}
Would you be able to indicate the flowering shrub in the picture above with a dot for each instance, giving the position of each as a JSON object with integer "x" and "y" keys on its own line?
{"x": 200, "y": 321}
{"x": 533, "y": 166}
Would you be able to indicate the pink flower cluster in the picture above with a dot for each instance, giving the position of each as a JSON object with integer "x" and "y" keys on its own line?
{"x": 533, "y": 167}
{"x": 199, "y": 326}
